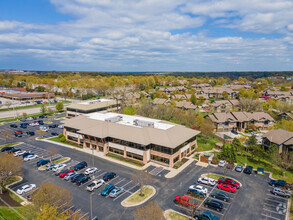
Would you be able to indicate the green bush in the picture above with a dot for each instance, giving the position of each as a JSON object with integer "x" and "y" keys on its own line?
{"x": 60, "y": 135}
{"x": 63, "y": 139}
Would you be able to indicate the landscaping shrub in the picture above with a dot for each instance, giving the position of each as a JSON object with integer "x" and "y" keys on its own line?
{"x": 60, "y": 135}
{"x": 63, "y": 139}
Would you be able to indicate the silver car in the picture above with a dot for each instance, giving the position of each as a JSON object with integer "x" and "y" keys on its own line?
{"x": 116, "y": 192}
{"x": 281, "y": 192}
{"x": 69, "y": 175}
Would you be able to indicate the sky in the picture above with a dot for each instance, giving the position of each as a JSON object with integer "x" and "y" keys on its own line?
{"x": 146, "y": 35}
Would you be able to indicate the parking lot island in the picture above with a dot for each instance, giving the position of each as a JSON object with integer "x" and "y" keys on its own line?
{"x": 59, "y": 161}
{"x": 135, "y": 199}
{"x": 171, "y": 214}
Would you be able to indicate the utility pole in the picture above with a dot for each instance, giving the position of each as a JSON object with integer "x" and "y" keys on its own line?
{"x": 91, "y": 204}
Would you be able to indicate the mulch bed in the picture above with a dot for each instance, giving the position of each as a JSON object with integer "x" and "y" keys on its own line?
{"x": 6, "y": 197}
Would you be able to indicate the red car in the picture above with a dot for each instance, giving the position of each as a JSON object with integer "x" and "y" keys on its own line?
{"x": 229, "y": 182}
{"x": 65, "y": 172}
{"x": 227, "y": 187}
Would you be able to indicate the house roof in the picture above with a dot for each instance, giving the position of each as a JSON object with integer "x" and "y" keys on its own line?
{"x": 279, "y": 136}
{"x": 160, "y": 101}
{"x": 163, "y": 133}
{"x": 240, "y": 116}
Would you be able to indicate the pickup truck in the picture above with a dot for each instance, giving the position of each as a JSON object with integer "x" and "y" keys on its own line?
{"x": 229, "y": 182}
{"x": 277, "y": 183}
{"x": 185, "y": 201}
{"x": 205, "y": 216}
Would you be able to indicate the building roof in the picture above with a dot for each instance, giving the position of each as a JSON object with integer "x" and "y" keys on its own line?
{"x": 279, "y": 136}
{"x": 92, "y": 105}
{"x": 240, "y": 116}
{"x": 161, "y": 101}
{"x": 163, "y": 133}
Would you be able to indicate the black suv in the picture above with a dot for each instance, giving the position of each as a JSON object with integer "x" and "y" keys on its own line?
{"x": 53, "y": 126}
{"x": 220, "y": 195}
{"x": 248, "y": 170}
{"x": 80, "y": 166}
{"x": 82, "y": 180}
{"x": 31, "y": 133}
{"x": 109, "y": 176}
{"x": 6, "y": 149}
{"x": 75, "y": 178}
{"x": 13, "y": 125}
{"x": 214, "y": 204}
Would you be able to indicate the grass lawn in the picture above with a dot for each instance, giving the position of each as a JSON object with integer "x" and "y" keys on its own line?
{"x": 177, "y": 216}
{"x": 206, "y": 143}
{"x": 127, "y": 160}
{"x": 8, "y": 213}
{"x": 57, "y": 139}
{"x": 32, "y": 106}
{"x": 9, "y": 145}
{"x": 48, "y": 122}
{"x": 61, "y": 160}
{"x": 15, "y": 197}
{"x": 267, "y": 165}
{"x": 136, "y": 198}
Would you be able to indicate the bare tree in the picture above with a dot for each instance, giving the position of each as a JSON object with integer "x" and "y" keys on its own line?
{"x": 52, "y": 151}
{"x": 6, "y": 134}
{"x": 141, "y": 178}
{"x": 284, "y": 160}
{"x": 151, "y": 211}
{"x": 8, "y": 104}
{"x": 9, "y": 168}
{"x": 53, "y": 195}
{"x": 41, "y": 132}
{"x": 249, "y": 104}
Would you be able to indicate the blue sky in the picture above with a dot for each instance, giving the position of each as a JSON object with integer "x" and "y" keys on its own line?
{"x": 146, "y": 35}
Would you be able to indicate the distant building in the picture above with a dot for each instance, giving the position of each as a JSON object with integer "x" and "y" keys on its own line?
{"x": 91, "y": 106}
{"x": 283, "y": 139}
{"x": 138, "y": 138}
{"x": 21, "y": 94}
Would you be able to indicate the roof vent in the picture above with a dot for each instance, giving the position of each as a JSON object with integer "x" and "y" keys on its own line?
{"x": 142, "y": 123}
{"x": 94, "y": 101}
{"x": 114, "y": 119}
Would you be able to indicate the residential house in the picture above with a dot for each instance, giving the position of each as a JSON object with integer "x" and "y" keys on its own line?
{"x": 186, "y": 105}
{"x": 239, "y": 121}
{"x": 286, "y": 115}
{"x": 161, "y": 101}
{"x": 280, "y": 137}
{"x": 225, "y": 105}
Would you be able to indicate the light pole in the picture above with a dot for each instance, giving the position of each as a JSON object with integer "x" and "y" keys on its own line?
{"x": 93, "y": 158}
{"x": 91, "y": 204}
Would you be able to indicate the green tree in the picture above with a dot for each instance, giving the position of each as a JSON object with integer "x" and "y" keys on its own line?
{"x": 59, "y": 107}
{"x": 237, "y": 144}
{"x": 225, "y": 94}
{"x": 129, "y": 110}
{"x": 43, "y": 110}
{"x": 251, "y": 144}
{"x": 193, "y": 99}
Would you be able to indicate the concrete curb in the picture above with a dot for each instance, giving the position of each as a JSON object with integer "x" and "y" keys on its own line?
{"x": 123, "y": 203}
{"x": 42, "y": 169}
{"x": 25, "y": 201}
{"x": 174, "y": 172}
{"x": 166, "y": 214}
{"x": 18, "y": 143}
{"x": 205, "y": 175}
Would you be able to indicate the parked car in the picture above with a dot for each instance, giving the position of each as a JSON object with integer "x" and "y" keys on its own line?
{"x": 69, "y": 175}
{"x": 196, "y": 193}
{"x": 23, "y": 125}
{"x": 90, "y": 170}
{"x": 6, "y": 149}
{"x": 31, "y": 133}
{"x": 278, "y": 183}
{"x": 227, "y": 187}
{"x": 214, "y": 204}
{"x": 109, "y": 176}
{"x": 95, "y": 184}
{"x": 26, "y": 188}
{"x": 65, "y": 172}
{"x": 222, "y": 163}
{"x": 43, "y": 116}
{"x": 53, "y": 126}
{"x": 33, "y": 124}
{"x": 30, "y": 157}
{"x": 248, "y": 170}
{"x": 14, "y": 150}
{"x": 17, "y": 135}
{"x": 207, "y": 181}
{"x": 205, "y": 216}
{"x": 34, "y": 118}
{"x": 221, "y": 195}
{"x": 199, "y": 188}
{"x": 13, "y": 126}
{"x": 239, "y": 168}
{"x": 22, "y": 119}
{"x": 27, "y": 154}
{"x": 255, "y": 134}
{"x": 80, "y": 166}
{"x": 29, "y": 118}
{"x": 234, "y": 132}
{"x": 18, "y": 131}
{"x": 185, "y": 201}
{"x": 76, "y": 177}
{"x": 42, "y": 162}
{"x": 281, "y": 192}
{"x": 58, "y": 167}
{"x": 61, "y": 126}
{"x": 19, "y": 153}
{"x": 82, "y": 180}
{"x": 54, "y": 134}
{"x": 106, "y": 191}
{"x": 57, "y": 172}
{"x": 50, "y": 166}
{"x": 116, "y": 192}
{"x": 229, "y": 182}
{"x": 41, "y": 122}
{"x": 43, "y": 128}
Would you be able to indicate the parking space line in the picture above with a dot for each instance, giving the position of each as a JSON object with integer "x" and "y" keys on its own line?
{"x": 101, "y": 174}
{"x": 126, "y": 184}
{"x": 213, "y": 210}
{"x": 277, "y": 197}
{"x": 126, "y": 192}
{"x": 113, "y": 179}
{"x": 119, "y": 181}
{"x": 270, "y": 217}
{"x": 273, "y": 212}
{"x": 276, "y": 201}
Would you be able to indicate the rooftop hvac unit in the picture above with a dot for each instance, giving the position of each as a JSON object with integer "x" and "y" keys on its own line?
{"x": 143, "y": 123}
{"x": 94, "y": 101}
{"x": 114, "y": 119}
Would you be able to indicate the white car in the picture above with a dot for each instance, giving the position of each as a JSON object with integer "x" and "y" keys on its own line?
{"x": 19, "y": 153}
{"x": 34, "y": 124}
{"x": 199, "y": 188}
{"x": 90, "y": 170}
{"x": 43, "y": 128}
{"x": 207, "y": 181}
{"x": 222, "y": 163}
{"x": 30, "y": 157}
{"x": 30, "y": 118}
{"x": 61, "y": 126}
{"x": 58, "y": 167}
{"x": 26, "y": 188}
{"x": 95, "y": 184}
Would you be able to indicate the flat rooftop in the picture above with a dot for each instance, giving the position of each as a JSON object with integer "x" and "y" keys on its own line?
{"x": 92, "y": 104}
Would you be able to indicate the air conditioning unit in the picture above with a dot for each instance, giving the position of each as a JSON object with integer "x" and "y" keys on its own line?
{"x": 142, "y": 123}
{"x": 114, "y": 119}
